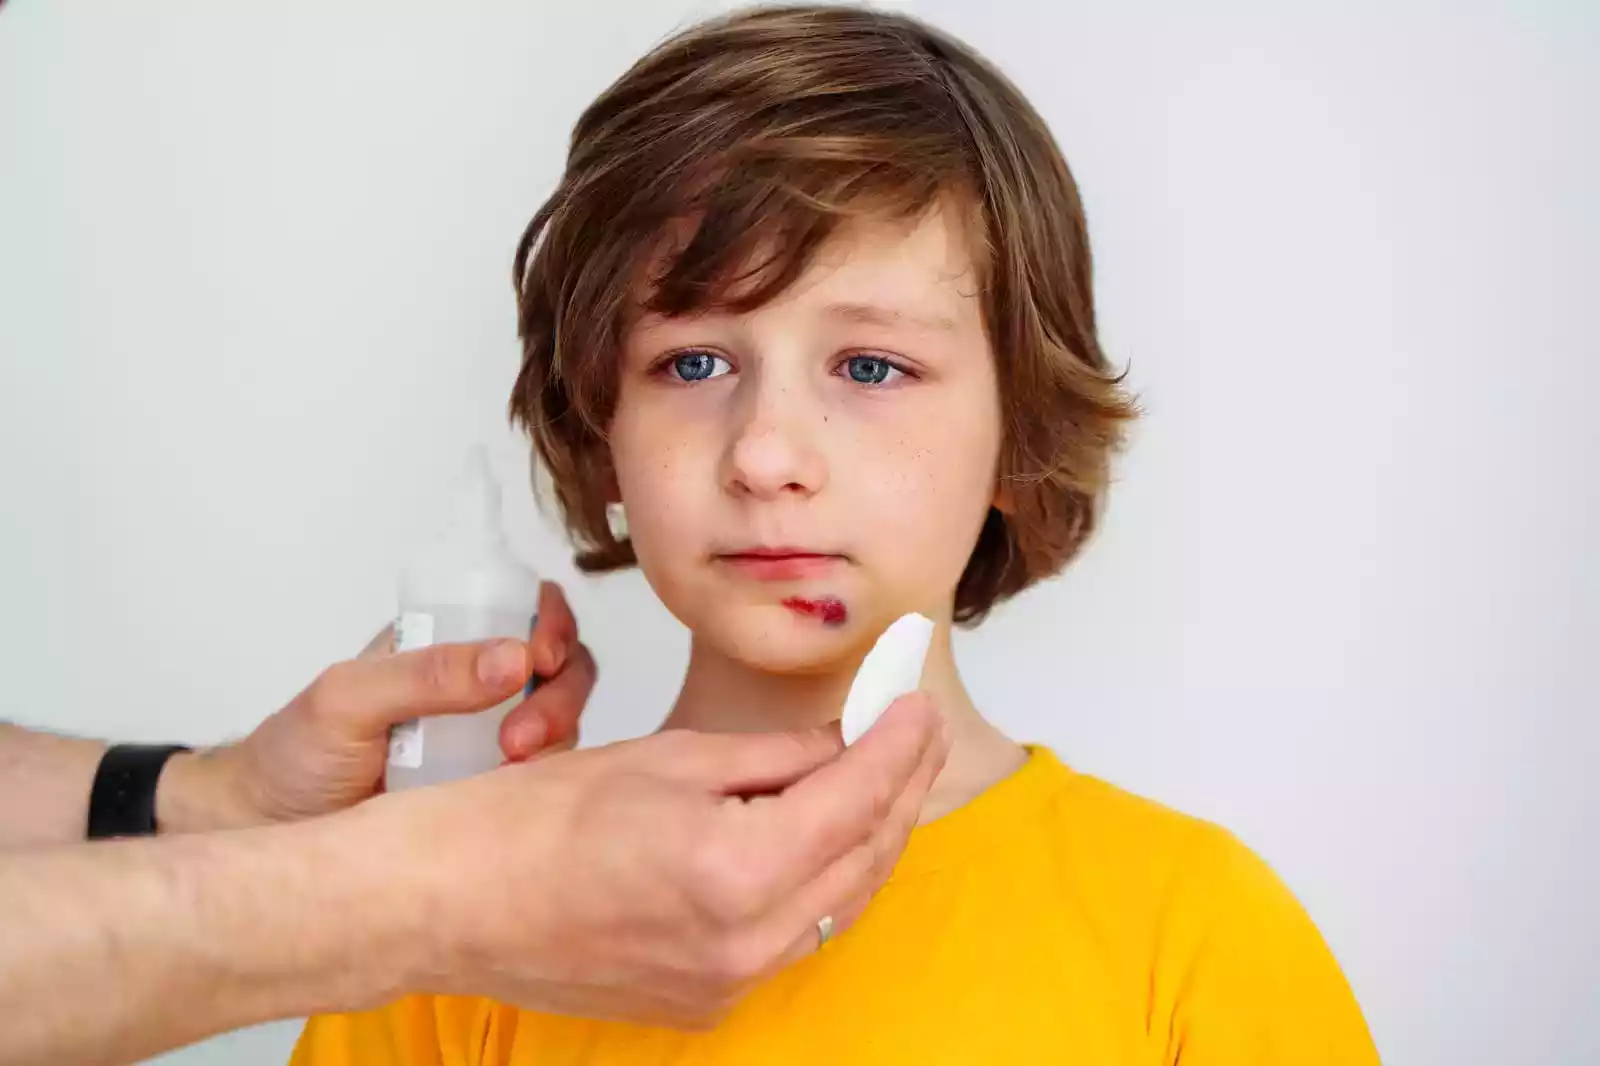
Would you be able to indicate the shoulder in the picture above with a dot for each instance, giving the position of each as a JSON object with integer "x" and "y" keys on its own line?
{"x": 1189, "y": 879}
{"x": 1187, "y": 862}
{"x": 1149, "y": 855}
{"x": 1238, "y": 971}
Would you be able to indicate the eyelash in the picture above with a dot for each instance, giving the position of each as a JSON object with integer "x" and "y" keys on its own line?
{"x": 665, "y": 368}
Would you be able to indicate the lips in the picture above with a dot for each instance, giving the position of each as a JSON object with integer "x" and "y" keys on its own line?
{"x": 780, "y": 564}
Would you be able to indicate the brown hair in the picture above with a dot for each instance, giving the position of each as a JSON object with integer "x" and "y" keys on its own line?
{"x": 758, "y": 134}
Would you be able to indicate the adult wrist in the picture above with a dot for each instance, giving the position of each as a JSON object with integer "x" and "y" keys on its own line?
{"x": 382, "y": 890}
{"x": 421, "y": 916}
{"x": 122, "y": 797}
{"x": 201, "y": 791}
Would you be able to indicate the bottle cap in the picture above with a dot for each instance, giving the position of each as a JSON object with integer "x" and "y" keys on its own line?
{"x": 468, "y": 563}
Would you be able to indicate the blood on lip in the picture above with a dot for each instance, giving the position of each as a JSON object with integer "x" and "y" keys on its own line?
{"x": 829, "y": 610}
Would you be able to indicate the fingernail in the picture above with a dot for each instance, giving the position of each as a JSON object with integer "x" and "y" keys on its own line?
{"x": 502, "y": 663}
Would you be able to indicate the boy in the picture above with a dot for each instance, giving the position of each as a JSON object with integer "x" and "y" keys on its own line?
{"x": 813, "y": 303}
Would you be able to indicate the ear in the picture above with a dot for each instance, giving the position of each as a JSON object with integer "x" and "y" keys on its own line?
{"x": 617, "y": 521}
{"x": 1005, "y": 500}
{"x": 616, "y": 515}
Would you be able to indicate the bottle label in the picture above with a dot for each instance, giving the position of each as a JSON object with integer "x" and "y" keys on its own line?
{"x": 405, "y": 744}
{"x": 412, "y": 630}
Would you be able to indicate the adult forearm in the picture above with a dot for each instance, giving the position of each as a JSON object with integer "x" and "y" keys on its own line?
{"x": 113, "y": 952}
{"x": 44, "y": 786}
{"x": 45, "y": 782}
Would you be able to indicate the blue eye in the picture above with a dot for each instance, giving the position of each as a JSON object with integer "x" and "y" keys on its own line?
{"x": 699, "y": 366}
{"x": 870, "y": 370}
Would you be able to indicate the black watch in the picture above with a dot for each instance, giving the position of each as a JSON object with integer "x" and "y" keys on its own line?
{"x": 123, "y": 800}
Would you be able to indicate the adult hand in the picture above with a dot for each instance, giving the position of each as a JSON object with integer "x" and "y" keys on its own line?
{"x": 326, "y": 749}
{"x": 650, "y": 881}
{"x": 654, "y": 880}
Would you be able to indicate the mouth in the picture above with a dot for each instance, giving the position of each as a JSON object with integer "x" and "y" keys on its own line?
{"x": 780, "y": 564}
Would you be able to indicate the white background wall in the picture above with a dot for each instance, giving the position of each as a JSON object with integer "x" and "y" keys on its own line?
{"x": 254, "y": 301}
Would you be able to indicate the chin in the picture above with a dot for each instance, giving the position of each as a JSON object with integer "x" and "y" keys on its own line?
{"x": 775, "y": 640}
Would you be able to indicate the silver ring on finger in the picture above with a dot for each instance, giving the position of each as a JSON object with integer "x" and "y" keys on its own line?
{"x": 824, "y": 931}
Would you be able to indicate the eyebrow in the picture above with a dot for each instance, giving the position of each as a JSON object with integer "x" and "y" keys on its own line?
{"x": 878, "y": 315}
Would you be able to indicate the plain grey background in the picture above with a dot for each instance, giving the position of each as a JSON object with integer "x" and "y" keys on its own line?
{"x": 254, "y": 303}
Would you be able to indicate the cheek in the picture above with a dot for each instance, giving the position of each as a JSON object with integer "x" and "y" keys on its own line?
{"x": 657, "y": 468}
{"x": 934, "y": 488}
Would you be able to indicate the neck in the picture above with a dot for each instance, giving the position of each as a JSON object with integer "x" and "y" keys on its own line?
{"x": 720, "y": 695}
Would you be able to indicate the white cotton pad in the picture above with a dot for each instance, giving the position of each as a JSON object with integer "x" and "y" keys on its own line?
{"x": 891, "y": 669}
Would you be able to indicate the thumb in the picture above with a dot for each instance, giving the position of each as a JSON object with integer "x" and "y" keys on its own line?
{"x": 743, "y": 764}
{"x": 378, "y": 692}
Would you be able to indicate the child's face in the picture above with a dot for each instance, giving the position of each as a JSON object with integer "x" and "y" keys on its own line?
{"x": 799, "y": 476}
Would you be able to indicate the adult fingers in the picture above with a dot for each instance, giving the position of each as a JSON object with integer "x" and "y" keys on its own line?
{"x": 849, "y": 800}
{"x": 548, "y": 718}
{"x": 555, "y": 632}
{"x": 378, "y": 692}
{"x": 843, "y": 890}
{"x": 743, "y": 764}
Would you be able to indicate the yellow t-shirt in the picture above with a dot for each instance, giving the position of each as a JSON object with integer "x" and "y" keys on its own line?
{"x": 1054, "y": 919}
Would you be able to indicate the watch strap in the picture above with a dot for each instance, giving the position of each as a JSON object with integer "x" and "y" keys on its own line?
{"x": 122, "y": 802}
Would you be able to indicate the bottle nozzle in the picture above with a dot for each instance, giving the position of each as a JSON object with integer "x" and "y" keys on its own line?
{"x": 477, "y": 506}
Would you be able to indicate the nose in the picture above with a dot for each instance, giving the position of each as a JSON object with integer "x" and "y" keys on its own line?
{"x": 773, "y": 452}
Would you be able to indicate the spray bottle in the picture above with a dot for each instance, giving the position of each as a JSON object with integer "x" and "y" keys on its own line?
{"x": 465, "y": 586}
